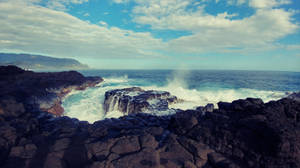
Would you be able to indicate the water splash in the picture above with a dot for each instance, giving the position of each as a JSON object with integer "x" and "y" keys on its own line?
{"x": 88, "y": 105}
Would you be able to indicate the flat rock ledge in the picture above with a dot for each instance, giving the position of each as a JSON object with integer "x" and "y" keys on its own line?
{"x": 242, "y": 134}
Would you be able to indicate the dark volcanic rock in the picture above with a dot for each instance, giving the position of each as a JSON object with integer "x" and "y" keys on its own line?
{"x": 295, "y": 96}
{"x": 25, "y": 89}
{"x": 206, "y": 109}
{"x": 136, "y": 100}
{"x": 242, "y": 134}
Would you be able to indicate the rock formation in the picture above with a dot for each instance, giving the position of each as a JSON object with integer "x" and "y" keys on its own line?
{"x": 44, "y": 90}
{"x": 242, "y": 134}
{"x": 294, "y": 96}
{"x": 136, "y": 100}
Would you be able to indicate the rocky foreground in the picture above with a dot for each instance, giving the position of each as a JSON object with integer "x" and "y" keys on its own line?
{"x": 241, "y": 134}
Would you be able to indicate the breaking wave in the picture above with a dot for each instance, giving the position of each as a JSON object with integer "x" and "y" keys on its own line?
{"x": 88, "y": 104}
{"x": 201, "y": 97}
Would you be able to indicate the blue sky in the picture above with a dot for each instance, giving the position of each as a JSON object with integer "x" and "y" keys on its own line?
{"x": 157, "y": 34}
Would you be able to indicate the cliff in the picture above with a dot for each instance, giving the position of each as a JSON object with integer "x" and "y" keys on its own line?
{"x": 42, "y": 91}
{"x": 244, "y": 133}
{"x": 39, "y": 62}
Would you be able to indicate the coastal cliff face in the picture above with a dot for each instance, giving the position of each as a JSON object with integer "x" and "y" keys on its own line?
{"x": 244, "y": 133}
{"x": 41, "y": 90}
{"x": 39, "y": 62}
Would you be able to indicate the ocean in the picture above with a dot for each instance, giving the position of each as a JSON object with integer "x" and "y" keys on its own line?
{"x": 195, "y": 87}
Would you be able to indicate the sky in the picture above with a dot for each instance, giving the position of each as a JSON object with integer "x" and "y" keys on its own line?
{"x": 157, "y": 34}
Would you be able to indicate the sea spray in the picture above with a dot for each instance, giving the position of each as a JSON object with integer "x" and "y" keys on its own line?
{"x": 88, "y": 104}
{"x": 178, "y": 79}
{"x": 194, "y": 89}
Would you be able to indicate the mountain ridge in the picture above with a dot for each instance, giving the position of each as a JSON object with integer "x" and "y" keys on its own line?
{"x": 40, "y": 62}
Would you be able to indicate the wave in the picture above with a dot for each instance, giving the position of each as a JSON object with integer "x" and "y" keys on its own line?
{"x": 87, "y": 105}
{"x": 200, "y": 97}
{"x": 194, "y": 98}
{"x": 122, "y": 79}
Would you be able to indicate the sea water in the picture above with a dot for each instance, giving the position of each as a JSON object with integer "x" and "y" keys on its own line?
{"x": 195, "y": 87}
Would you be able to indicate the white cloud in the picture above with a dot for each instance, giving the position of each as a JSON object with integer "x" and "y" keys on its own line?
{"x": 120, "y": 1}
{"x": 41, "y": 30}
{"x": 53, "y": 4}
{"x": 267, "y": 3}
{"x": 240, "y": 2}
{"x": 21, "y": 1}
{"x": 102, "y": 23}
{"x": 216, "y": 33}
{"x": 30, "y": 28}
{"x": 63, "y": 4}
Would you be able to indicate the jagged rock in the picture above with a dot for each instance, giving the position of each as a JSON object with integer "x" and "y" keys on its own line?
{"x": 206, "y": 109}
{"x": 44, "y": 90}
{"x": 126, "y": 145}
{"x": 61, "y": 144}
{"x": 242, "y": 134}
{"x": 100, "y": 150}
{"x": 136, "y": 100}
{"x": 148, "y": 141}
{"x": 8, "y": 133}
{"x": 26, "y": 152}
{"x": 55, "y": 160}
{"x": 147, "y": 158}
{"x": 294, "y": 96}
{"x": 9, "y": 107}
{"x": 181, "y": 123}
{"x": 4, "y": 149}
{"x": 10, "y": 70}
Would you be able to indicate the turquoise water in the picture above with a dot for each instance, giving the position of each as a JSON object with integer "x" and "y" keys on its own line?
{"x": 195, "y": 87}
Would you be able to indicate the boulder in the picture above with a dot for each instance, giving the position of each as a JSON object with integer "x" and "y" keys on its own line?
{"x": 136, "y": 100}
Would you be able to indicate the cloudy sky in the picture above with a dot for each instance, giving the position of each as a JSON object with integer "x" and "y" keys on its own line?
{"x": 157, "y": 34}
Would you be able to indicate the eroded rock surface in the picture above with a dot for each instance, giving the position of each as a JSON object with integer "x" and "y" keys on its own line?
{"x": 294, "y": 96}
{"x": 242, "y": 134}
{"x": 44, "y": 90}
{"x": 136, "y": 100}
{"x": 245, "y": 133}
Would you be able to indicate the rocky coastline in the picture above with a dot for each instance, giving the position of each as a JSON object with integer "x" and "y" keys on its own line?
{"x": 43, "y": 91}
{"x": 243, "y": 134}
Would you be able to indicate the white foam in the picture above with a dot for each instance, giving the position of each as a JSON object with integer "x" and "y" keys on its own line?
{"x": 114, "y": 114}
{"x": 193, "y": 98}
{"x": 132, "y": 94}
{"x": 88, "y": 104}
{"x": 153, "y": 101}
{"x": 122, "y": 79}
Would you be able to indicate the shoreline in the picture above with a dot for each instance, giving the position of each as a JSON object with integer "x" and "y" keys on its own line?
{"x": 43, "y": 90}
{"x": 57, "y": 108}
{"x": 243, "y": 134}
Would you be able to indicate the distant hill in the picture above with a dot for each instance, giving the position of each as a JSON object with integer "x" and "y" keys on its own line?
{"x": 38, "y": 62}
